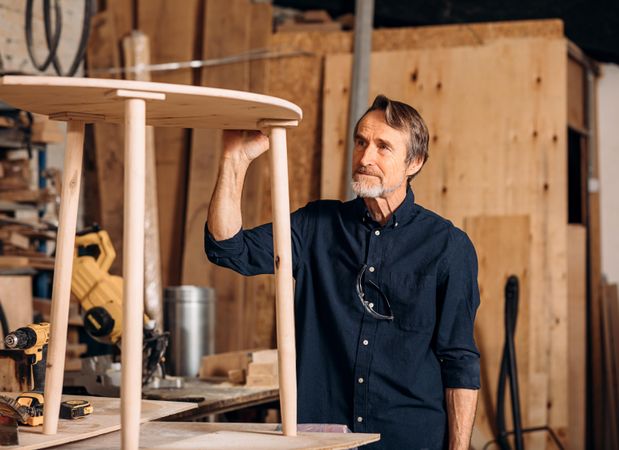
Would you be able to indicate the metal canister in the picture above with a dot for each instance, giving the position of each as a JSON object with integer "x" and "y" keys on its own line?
{"x": 190, "y": 320}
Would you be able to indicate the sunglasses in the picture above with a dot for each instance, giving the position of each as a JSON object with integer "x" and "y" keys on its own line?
{"x": 369, "y": 304}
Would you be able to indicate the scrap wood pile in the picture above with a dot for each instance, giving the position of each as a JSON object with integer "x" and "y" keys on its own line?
{"x": 28, "y": 214}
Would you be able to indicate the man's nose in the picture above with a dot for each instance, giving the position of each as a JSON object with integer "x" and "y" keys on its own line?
{"x": 369, "y": 156}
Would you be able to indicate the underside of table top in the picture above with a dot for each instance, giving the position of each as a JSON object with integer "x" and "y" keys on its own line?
{"x": 184, "y": 106}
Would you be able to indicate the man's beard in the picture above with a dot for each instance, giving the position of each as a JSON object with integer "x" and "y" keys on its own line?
{"x": 365, "y": 190}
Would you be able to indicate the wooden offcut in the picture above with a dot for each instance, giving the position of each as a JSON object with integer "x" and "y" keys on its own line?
{"x": 577, "y": 334}
{"x": 16, "y": 298}
{"x": 503, "y": 249}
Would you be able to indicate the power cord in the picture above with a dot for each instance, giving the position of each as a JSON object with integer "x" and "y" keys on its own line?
{"x": 52, "y": 37}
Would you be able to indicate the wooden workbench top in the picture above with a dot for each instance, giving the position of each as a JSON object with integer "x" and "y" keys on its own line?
{"x": 229, "y": 436}
{"x": 184, "y": 106}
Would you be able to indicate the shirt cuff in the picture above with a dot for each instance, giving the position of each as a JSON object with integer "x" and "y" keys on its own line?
{"x": 227, "y": 248}
{"x": 461, "y": 373}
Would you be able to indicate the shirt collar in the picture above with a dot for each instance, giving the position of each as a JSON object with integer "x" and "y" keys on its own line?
{"x": 400, "y": 215}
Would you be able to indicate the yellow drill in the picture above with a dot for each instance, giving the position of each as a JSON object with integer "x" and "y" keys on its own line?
{"x": 32, "y": 340}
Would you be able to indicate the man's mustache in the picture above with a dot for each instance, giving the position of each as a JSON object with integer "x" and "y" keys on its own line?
{"x": 365, "y": 171}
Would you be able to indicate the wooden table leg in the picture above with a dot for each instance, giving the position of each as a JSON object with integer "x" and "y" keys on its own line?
{"x": 282, "y": 246}
{"x": 133, "y": 272}
{"x": 63, "y": 268}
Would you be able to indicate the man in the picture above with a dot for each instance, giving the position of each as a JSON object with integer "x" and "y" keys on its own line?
{"x": 386, "y": 291}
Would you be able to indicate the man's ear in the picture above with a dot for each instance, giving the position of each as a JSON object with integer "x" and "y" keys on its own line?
{"x": 414, "y": 166}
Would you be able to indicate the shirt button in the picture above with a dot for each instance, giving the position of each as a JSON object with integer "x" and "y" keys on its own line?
{"x": 360, "y": 380}
{"x": 377, "y": 232}
{"x": 396, "y": 224}
{"x": 359, "y": 419}
{"x": 371, "y": 269}
{"x": 365, "y": 342}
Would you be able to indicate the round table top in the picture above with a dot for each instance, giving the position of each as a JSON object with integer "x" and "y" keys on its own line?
{"x": 184, "y": 106}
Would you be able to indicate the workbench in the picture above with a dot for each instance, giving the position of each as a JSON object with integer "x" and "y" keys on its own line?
{"x": 229, "y": 436}
{"x": 212, "y": 398}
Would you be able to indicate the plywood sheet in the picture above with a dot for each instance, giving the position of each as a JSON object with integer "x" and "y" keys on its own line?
{"x": 184, "y": 106}
{"x": 497, "y": 115}
{"x": 503, "y": 249}
{"x": 178, "y": 43}
{"x": 231, "y": 436}
{"x": 16, "y": 301}
{"x": 104, "y": 419}
{"x": 577, "y": 334}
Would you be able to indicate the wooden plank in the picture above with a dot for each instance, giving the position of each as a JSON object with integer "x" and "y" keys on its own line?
{"x": 104, "y": 419}
{"x": 212, "y": 398}
{"x": 179, "y": 43}
{"x": 16, "y": 301}
{"x": 335, "y": 127}
{"x": 136, "y": 51}
{"x": 227, "y": 435}
{"x": 103, "y": 53}
{"x": 516, "y": 169}
{"x": 227, "y": 32}
{"x": 611, "y": 366}
{"x": 577, "y": 334}
{"x": 576, "y": 109}
{"x": 503, "y": 249}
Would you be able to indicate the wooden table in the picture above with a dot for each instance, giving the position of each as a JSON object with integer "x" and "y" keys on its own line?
{"x": 82, "y": 100}
{"x": 229, "y": 436}
{"x": 212, "y": 398}
{"x": 104, "y": 419}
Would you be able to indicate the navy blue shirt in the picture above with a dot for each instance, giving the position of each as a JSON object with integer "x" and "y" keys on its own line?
{"x": 380, "y": 376}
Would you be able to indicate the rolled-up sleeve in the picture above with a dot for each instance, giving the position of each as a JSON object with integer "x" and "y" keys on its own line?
{"x": 458, "y": 300}
{"x": 250, "y": 252}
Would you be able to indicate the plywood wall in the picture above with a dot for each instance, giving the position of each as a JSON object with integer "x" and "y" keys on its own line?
{"x": 497, "y": 118}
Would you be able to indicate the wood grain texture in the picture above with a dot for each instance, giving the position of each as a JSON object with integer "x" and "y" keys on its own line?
{"x": 181, "y": 42}
{"x": 503, "y": 249}
{"x": 103, "y": 53}
{"x": 104, "y": 419}
{"x": 577, "y": 334}
{"x": 63, "y": 269}
{"x": 230, "y": 436}
{"x": 16, "y": 300}
{"x": 185, "y": 106}
{"x": 518, "y": 167}
{"x": 136, "y": 49}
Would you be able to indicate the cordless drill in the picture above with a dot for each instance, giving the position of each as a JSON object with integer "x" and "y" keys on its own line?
{"x": 32, "y": 340}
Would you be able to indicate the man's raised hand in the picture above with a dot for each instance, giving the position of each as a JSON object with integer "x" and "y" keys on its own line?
{"x": 244, "y": 145}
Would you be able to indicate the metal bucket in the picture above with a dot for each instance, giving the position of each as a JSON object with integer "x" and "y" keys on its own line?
{"x": 190, "y": 320}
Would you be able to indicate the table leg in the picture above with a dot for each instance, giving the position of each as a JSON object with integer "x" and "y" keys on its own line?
{"x": 63, "y": 268}
{"x": 133, "y": 272}
{"x": 282, "y": 247}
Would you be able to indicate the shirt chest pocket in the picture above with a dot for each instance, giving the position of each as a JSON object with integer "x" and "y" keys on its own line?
{"x": 413, "y": 300}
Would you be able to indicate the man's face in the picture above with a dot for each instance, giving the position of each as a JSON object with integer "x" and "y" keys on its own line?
{"x": 379, "y": 158}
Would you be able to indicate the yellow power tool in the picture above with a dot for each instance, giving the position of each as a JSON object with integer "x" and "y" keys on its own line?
{"x": 101, "y": 296}
{"x": 27, "y": 408}
{"x": 99, "y": 292}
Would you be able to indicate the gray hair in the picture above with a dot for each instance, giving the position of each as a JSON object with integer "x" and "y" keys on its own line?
{"x": 404, "y": 118}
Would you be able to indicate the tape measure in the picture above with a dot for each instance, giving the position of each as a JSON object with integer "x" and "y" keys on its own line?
{"x": 75, "y": 409}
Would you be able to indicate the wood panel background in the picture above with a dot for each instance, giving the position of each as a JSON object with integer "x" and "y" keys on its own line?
{"x": 497, "y": 117}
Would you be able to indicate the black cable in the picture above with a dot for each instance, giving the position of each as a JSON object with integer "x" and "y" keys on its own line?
{"x": 52, "y": 41}
{"x": 52, "y": 36}
{"x": 81, "y": 49}
{"x": 509, "y": 370}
